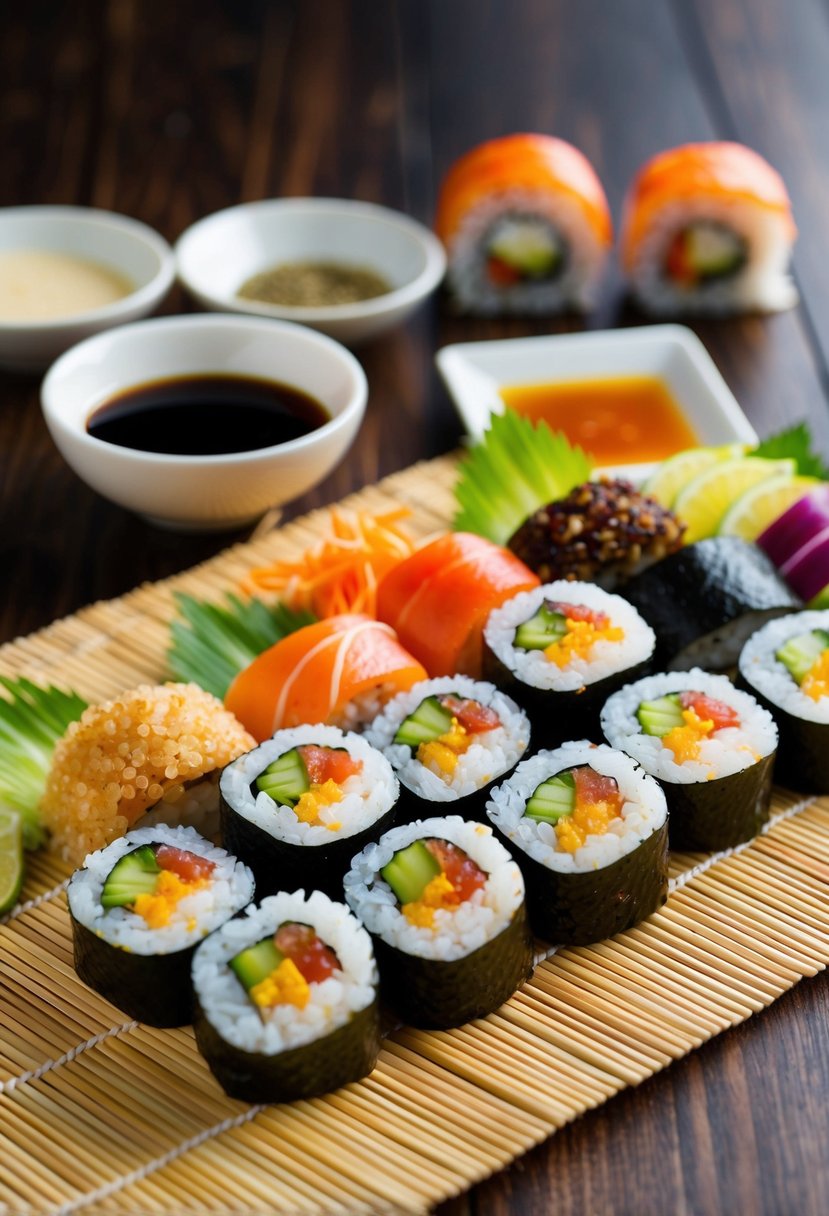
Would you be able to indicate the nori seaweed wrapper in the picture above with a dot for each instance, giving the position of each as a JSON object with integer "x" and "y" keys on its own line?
{"x": 554, "y": 716}
{"x": 439, "y": 993}
{"x": 413, "y": 806}
{"x": 279, "y": 866}
{"x": 577, "y": 909}
{"x": 706, "y": 816}
{"x": 346, "y": 1054}
{"x": 152, "y": 988}
{"x": 704, "y": 601}
{"x": 803, "y": 749}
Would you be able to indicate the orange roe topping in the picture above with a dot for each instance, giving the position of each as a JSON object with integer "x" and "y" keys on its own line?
{"x": 284, "y": 986}
{"x": 684, "y": 740}
{"x": 438, "y": 893}
{"x": 440, "y": 755}
{"x": 598, "y": 803}
{"x": 816, "y": 681}
{"x": 170, "y": 889}
{"x": 307, "y": 809}
{"x": 580, "y": 638}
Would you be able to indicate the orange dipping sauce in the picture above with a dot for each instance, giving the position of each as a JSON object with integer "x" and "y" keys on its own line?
{"x": 618, "y": 420}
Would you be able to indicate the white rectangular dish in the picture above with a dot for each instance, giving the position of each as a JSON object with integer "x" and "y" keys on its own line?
{"x": 474, "y": 372}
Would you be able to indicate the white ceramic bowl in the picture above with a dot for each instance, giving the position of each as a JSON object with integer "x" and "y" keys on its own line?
{"x": 218, "y": 254}
{"x": 124, "y": 245}
{"x": 475, "y": 371}
{"x": 203, "y": 492}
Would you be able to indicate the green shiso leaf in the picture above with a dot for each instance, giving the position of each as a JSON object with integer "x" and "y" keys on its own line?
{"x": 216, "y": 641}
{"x": 515, "y": 469}
{"x": 795, "y": 442}
{"x": 32, "y": 719}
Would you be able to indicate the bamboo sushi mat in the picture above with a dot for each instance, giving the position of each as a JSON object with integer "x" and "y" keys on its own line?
{"x": 101, "y": 1115}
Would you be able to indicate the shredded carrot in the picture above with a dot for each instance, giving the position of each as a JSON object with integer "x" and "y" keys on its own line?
{"x": 341, "y": 572}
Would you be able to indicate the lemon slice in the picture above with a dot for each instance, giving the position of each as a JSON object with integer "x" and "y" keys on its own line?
{"x": 11, "y": 857}
{"x": 761, "y": 505}
{"x": 673, "y": 474}
{"x": 705, "y": 500}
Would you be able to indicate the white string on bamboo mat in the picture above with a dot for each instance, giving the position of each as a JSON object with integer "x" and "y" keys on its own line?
{"x": 30, "y": 904}
{"x": 34, "y": 1074}
{"x": 143, "y": 1171}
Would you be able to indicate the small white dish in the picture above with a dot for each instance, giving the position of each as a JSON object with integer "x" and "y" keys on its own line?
{"x": 219, "y": 253}
{"x": 124, "y": 245}
{"x": 201, "y": 493}
{"x": 474, "y": 372}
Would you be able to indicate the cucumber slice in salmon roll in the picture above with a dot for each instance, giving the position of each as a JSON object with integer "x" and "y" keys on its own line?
{"x": 444, "y": 903}
{"x": 286, "y": 1000}
{"x": 711, "y": 746}
{"x": 298, "y": 807}
{"x": 590, "y": 832}
{"x": 140, "y": 907}
{"x": 448, "y": 739}
{"x": 560, "y": 650}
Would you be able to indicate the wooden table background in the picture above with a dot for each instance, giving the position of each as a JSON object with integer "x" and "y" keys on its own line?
{"x": 168, "y": 111}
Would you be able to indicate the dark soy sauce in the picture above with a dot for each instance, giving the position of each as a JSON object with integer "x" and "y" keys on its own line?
{"x": 206, "y": 415}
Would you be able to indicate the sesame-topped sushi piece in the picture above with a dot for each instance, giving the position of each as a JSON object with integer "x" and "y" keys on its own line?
{"x": 444, "y": 903}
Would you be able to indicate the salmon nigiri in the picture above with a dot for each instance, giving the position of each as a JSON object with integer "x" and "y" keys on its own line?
{"x": 438, "y": 599}
{"x": 526, "y": 225}
{"x": 322, "y": 673}
{"x": 708, "y": 227}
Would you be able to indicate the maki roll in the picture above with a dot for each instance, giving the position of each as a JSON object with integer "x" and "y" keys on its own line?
{"x": 706, "y": 600}
{"x": 590, "y": 831}
{"x": 526, "y": 226}
{"x": 286, "y": 1000}
{"x": 448, "y": 740}
{"x": 708, "y": 228}
{"x": 561, "y": 649}
{"x": 710, "y": 746}
{"x": 444, "y": 903}
{"x": 140, "y": 907}
{"x": 298, "y": 807}
{"x": 786, "y": 666}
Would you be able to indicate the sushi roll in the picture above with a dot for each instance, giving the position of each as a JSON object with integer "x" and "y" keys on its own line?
{"x": 526, "y": 226}
{"x": 708, "y": 228}
{"x": 560, "y": 650}
{"x": 706, "y": 600}
{"x": 286, "y": 1000}
{"x": 590, "y": 831}
{"x": 298, "y": 807}
{"x": 710, "y": 746}
{"x": 786, "y": 667}
{"x": 444, "y": 903}
{"x": 448, "y": 740}
{"x": 141, "y": 906}
{"x": 339, "y": 672}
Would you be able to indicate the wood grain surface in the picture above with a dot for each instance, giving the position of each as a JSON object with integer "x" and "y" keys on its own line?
{"x": 170, "y": 111}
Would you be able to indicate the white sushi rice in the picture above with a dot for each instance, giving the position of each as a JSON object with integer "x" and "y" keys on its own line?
{"x": 367, "y": 795}
{"x": 762, "y": 283}
{"x": 332, "y": 1001}
{"x": 230, "y": 888}
{"x": 725, "y": 751}
{"x": 643, "y": 811}
{"x": 576, "y": 284}
{"x": 606, "y": 658}
{"x": 458, "y": 931}
{"x": 772, "y": 678}
{"x": 494, "y": 752}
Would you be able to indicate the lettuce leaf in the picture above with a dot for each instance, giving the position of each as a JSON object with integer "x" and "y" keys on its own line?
{"x": 796, "y": 443}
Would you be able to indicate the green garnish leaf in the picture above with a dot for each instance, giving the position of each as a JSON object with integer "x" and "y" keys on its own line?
{"x": 795, "y": 443}
{"x": 215, "y": 642}
{"x": 32, "y": 719}
{"x": 515, "y": 469}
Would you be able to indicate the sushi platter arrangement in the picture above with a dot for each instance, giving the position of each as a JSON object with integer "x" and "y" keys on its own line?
{"x": 360, "y": 845}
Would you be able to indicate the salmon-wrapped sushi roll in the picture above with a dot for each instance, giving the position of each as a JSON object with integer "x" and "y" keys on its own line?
{"x": 526, "y": 226}
{"x": 708, "y": 228}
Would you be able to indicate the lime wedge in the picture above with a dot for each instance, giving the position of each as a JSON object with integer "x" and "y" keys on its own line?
{"x": 705, "y": 500}
{"x": 673, "y": 474}
{"x": 11, "y": 857}
{"x": 761, "y": 505}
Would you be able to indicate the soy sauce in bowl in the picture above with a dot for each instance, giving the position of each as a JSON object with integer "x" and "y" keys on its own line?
{"x": 206, "y": 415}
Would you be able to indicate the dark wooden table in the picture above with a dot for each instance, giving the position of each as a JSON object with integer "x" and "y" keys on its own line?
{"x": 170, "y": 111}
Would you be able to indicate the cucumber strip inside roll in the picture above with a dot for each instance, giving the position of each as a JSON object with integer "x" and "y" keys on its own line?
{"x": 804, "y": 654}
